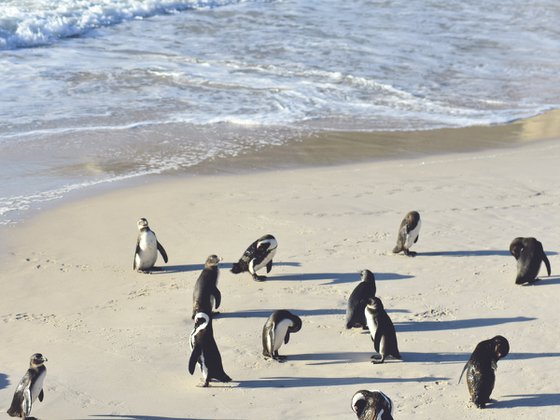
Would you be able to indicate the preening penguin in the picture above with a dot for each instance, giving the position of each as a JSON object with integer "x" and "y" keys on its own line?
{"x": 409, "y": 231}
{"x": 355, "y": 315}
{"x": 29, "y": 388}
{"x": 481, "y": 366}
{"x": 147, "y": 247}
{"x": 372, "y": 405}
{"x": 258, "y": 255}
{"x": 382, "y": 331}
{"x": 529, "y": 254}
{"x": 277, "y": 329}
{"x": 206, "y": 295}
{"x": 204, "y": 350}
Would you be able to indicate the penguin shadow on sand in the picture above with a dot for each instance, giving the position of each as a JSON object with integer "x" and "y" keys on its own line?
{"x": 264, "y": 313}
{"x": 318, "y": 359}
{"x": 543, "y": 281}
{"x": 4, "y": 381}
{"x": 316, "y": 382}
{"x": 472, "y": 253}
{"x": 456, "y": 324}
{"x": 526, "y": 400}
{"x": 137, "y": 417}
{"x": 337, "y": 278}
{"x": 183, "y": 268}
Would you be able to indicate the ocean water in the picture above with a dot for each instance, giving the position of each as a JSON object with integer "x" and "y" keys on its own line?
{"x": 94, "y": 92}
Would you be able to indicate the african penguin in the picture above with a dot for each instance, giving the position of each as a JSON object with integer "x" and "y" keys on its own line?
{"x": 147, "y": 247}
{"x": 204, "y": 350}
{"x": 382, "y": 331}
{"x": 206, "y": 295}
{"x": 529, "y": 254}
{"x": 481, "y": 366}
{"x": 408, "y": 233}
{"x": 372, "y": 405}
{"x": 29, "y": 388}
{"x": 355, "y": 315}
{"x": 277, "y": 329}
{"x": 258, "y": 255}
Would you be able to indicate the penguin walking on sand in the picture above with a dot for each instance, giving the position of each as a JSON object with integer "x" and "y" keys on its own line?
{"x": 257, "y": 256}
{"x": 147, "y": 247}
{"x": 355, "y": 315}
{"x": 204, "y": 351}
{"x": 529, "y": 254}
{"x": 409, "y": 231}
{"x": 206, "y": 295}
{"x": 481, "y": 366}
{"x": 29, "y": 388}
{"x": 277, "y": 329}
{"x": 372, "y": 405}
{"x": 382, "y": 331}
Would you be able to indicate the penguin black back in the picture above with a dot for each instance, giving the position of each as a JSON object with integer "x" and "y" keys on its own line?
{"x": 481, "y": 366}
{"x": 258, "y": 255}
{"x": 382, "y": 331}
{"x": 29, "y": 388}
{"x": 206, "y": 295}
{"x": 366, "y": 289}
{"x": 529, "y": 254}
{"x": 372, "y": 405}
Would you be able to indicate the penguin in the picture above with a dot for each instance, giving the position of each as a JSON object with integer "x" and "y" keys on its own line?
{"x": 258, "y": 255}
{"x": 206, "y": 295}
{"x": 29, "y": 388}
{"x": 409, "y": 231}
{"x": 355, "y": 315}
{"x": 204, "y": 350}
{"x": 529, "y": 254}
{"x": 277, "y": 330}
{"x": 382, "y": 331}
{"x": 481, "y": 366}
{"x": 372, "y": 405}
{"x": 147, "y": 247}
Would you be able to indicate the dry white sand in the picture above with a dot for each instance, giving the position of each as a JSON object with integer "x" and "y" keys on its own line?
{"x": 117, "y": 340}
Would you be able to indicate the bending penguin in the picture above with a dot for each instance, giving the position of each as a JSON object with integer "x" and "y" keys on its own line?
{"x": 355, "y": 315}
{"x": 481, "y": 366}
{"x": 206, "y": 295}
{"x": 529, "y": 254}
{"x": 147, "y": 247}
{"x": 372, "y": 405}
{"x": 29, "y": 388}
{"x": 382, "y": 331}
{"x": 204, "y": 350}
{"x": 258, "y": 255}
{"x": 408, "y": 233}
{"x": 277, "y": 329}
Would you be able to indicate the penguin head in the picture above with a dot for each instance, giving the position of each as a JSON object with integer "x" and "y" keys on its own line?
{"x": 375, "y": 304}
{"x": 367, "y": 275}
{"x": 501, "y": 346}
{"x": 359, "y": 402}
{"x": 142, "y": 223}
{"x": 201, "y": 320}
{"x": 212, "y": 261}
{"x": 37, "y": 360}
{"x": 297, "y": 324}
{"x": 515, "y": 247}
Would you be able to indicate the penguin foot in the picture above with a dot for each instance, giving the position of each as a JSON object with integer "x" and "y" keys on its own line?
{"x": 376, "y": 361}
{"x": 409, "y": 253}
{"x": 259, "y": 278}
{"x": 280, "y": 359}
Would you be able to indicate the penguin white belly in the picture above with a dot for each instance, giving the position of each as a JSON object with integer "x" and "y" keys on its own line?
{"x": 147, "y": 256}
{"x": 412, "y": 235}
{"x": 37, "y": 386}
{"x": 280, "y": 331}
{"x": 254, "y": 268}
{"x": 372, "y": 326}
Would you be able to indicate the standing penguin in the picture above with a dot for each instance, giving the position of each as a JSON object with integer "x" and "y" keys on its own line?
{"x": 382, "y": 331}
{"x": 29, "y": 388}
{"x": 147, "y": 247}
{"x": 204, "y": 350}
{"x": 481, "y": 366}
{"x": 277, "y": 330}
{"x": 529, "y": 254}
{"x": 258, "y": 255}
{"x": 355, "y": 315}
{"x": 408, "y": 233}
{"x": 206, "y": 295}
{"x": 372, "y": 405}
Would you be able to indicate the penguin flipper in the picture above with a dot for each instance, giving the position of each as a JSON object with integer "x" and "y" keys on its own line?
{"x": 546, "y": 262}
{"x": 287, "y": 338}
{"x": 41, "y": 395}
{"x": 462, "y": 372}
{"x": 162, "y": 251}
{"x": 416, "y": 240}
{"x": 377, "y": 339}
{"x": 217, "y": 297}
{"x": 195, "y": 355}
{"x": 269, "y": 267}
{"x": 136, "y": 252}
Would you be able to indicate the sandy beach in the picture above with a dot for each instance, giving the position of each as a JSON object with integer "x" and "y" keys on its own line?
{"x": 117, "y": 341}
